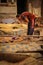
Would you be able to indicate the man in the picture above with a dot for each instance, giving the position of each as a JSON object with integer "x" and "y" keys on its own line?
{"x": 28, "y": 17}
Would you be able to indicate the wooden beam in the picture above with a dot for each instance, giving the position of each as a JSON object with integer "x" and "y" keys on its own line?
{"x": 24, "y": 52}
{"x": 21, "y": 36}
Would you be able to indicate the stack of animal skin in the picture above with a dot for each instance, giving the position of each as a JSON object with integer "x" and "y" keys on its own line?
{"x": 15, "y": 43}
{"x": 13, "y": 40}
{"x": 12, "y": 31}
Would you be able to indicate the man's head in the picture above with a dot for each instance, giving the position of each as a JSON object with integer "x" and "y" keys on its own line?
{"x": 17, "y": 16}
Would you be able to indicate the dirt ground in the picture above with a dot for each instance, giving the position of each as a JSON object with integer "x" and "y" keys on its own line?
{"x": 34, "y": 59}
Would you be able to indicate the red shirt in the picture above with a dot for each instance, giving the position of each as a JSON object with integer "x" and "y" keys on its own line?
{"x": 28, "y": 14}
{"x": 31, "y": 16}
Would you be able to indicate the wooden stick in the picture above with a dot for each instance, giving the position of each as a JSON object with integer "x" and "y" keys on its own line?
{"x": 21, "y": 36}
{"x": 24, "y": 53}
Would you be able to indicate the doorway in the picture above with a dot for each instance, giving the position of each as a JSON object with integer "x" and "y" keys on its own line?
{"x": 42, "y": 8}
{"x": 3, "y": 1}
{"x": 21, "y": 6}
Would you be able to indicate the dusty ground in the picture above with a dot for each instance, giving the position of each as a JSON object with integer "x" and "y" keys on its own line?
{"x": 33, "y": 59}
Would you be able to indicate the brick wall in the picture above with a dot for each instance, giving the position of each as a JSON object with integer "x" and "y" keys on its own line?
{"x": 34, "y": 6}
{"x": 8, "y": 11}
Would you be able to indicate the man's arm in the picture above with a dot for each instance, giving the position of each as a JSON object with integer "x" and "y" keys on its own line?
{"x": 25, "y": 19}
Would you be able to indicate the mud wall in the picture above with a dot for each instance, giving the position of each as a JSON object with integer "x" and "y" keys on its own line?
{"x": 34, "y": 6}
{"x": 8, "y": 10}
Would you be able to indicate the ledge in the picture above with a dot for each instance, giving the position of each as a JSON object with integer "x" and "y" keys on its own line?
{"x": 7, "y": 4}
